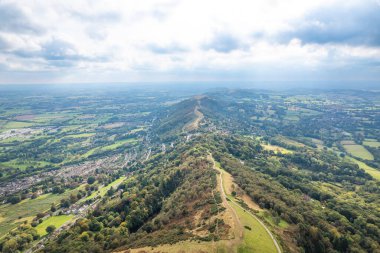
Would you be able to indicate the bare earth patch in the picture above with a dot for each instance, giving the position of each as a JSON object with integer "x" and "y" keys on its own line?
{"x": 25, "y": 117}
{"x": 194, "y": 125}
{"x": 114, "y": 125}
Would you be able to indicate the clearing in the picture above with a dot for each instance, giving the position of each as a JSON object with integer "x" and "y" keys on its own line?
{"x": 276, "y": 149}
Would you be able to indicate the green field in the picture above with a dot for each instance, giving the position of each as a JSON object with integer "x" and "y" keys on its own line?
{"x": 290, "y": 142}
{"x": 13, "y": 215}
{"x": 24, "y": 164}
{"x": 371, "y": 143}
{"x": 17, "y": 124}
{"x": 372, "y": 171}
{"x": 57, "y": 221}
{"x": 114, "y": 146}
{"x": 276, "y": 149}
{"x": 117, "y": 144}
{"x": 82, "y": 135}
{"x": 103, "y": 190}
{"x": 358, "y": 151}
{"x": 257, "y": 239}
{"x": 269, "y": 218}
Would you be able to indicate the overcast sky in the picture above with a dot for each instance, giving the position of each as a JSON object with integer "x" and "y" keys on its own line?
{"x": 189, "y": 40}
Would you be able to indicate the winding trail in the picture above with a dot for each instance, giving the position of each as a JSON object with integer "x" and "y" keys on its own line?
{"x": 239, "y": 206}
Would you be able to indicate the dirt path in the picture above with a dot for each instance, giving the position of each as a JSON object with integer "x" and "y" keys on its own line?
{"x": 236, "y": 204}
{"x": 238, "y": 227}
{"x": 195, "y": 123}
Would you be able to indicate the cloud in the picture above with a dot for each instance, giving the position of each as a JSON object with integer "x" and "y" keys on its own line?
{"x": 169, "y": 49}
{"x": 98, "y": 17}
{"x": 52, "y": 50}
{"x": 59, "y": 50}
{"x": 354, "y": 24}
{"x": 14, "y": 20}
{"x": 127, "y": 40}
{"x": 223, "y": 43}
{"x": 3, "y": 44}
{"x": 57, "y": 53}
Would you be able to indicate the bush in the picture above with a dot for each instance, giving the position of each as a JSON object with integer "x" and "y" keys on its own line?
{"x": 14, "y": 199}
{"x": 50, "y": 229}
{"x": 91, "y": 180}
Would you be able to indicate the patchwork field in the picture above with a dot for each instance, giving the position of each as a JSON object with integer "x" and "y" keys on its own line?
{"x": 13, "y": 215}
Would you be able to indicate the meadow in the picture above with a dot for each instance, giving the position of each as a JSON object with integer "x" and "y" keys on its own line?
{"x": 13, "y": 215}
{"x": 56, "y": 221}
{"x": 358, "y": 151}
{"x": 372, "y": 171}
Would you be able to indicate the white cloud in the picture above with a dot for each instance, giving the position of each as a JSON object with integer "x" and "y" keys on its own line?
{"x": 139, "y": 40}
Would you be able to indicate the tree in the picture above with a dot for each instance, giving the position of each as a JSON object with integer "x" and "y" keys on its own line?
{"x": 50, "y": 229}
{"x": 95, "y": 226}
{"x": 91, "y": 180}
{"x": 10, "y": 246}
{"x": 14, "y": 199}
{"x": 84, "y": 237}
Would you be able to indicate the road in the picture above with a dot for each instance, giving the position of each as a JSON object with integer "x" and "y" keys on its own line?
{"x": 247, "y": 211}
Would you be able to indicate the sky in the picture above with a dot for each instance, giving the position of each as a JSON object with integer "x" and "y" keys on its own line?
{"x": 71, "y": 41}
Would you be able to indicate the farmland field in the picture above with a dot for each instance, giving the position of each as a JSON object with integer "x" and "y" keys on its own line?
{"x": 358, "y": 151}
{"x": 56, "y": 221}
{"x": 372, "y": 143}
{"x": 375, "y": 173}
{"x": 13, "y": 215}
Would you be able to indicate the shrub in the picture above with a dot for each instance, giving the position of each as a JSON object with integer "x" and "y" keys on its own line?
{"x": 50, "y": 229}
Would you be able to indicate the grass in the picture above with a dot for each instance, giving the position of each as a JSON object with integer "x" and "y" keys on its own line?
{"x": 358, "y": 151}
{"x": 136, "y": 130}
{"x": 269, "y": 218}
{"x": 13, "y": 215}
{"x": 57, "y": 221}
{"x": 290, "y": 142}
{"x": 51, "y": 117}
{"x": 257, "y": 239}
{"x": 188, "y": 247}
{"x": 17, "y": 124}
{"x": 83, "y": 135}
{"x": 254, "y": 240}
{"x": 371, "y": 143}
{"x": 317, "y": 142}
{"x": 23, "y": 165}
{"x": 103, "y": 190}
{"x": 277, "y": 149}
{"x": 372, "y": 171}
{"x": 117, "y": 144}
{"x": 114, "y": 146}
